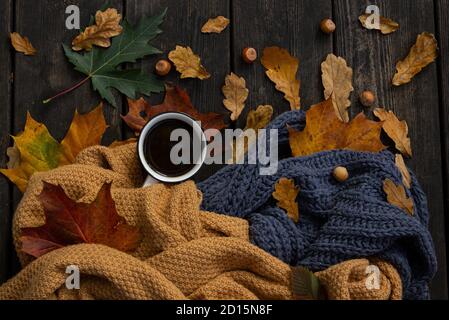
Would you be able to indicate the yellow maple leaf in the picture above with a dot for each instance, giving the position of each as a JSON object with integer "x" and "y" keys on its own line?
{"x": 107, "y": 25}
{"x": 282, "y": 69}
{"x": 396, "y": 196}
{"x": 39, "y": 151}
{"x": 187, "y": 63}
{"x": 324, "y": 131}
{"x": 337, "y": 82}
{"x": 397, "y": 130}
{"x": 386, "y": 26}
{"x": 423, "y": 53}
{"x": 286, "y": 193}
{"x": 22, "y": 44}
{"x": 235, "y": 93}
{"x": 215, "y": 25}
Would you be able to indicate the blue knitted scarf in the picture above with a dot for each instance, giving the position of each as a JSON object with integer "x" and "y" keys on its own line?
{"x": 338, "y": 221}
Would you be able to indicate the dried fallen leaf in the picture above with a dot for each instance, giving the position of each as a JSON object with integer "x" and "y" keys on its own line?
{"x": 85, "y": 130}
{"x": 406, "y": 178}
{"x": 423, "y": 53}
{"x": 107, "y": 25}
{"x": 187, "y": 63}
{"x": 324, "y": 131}
{"x": 215, "y": 25}
{"x": 259, "y": 118}
{"x": 256, "y": 120}
{"x": 235, "y": 93}
{"x": 337, "y": 82}
{"x": 286, "y": 193}
{"x": 39, "y": 151}
{"x": 68, "y": 222}
{"x": 396, "y": 196}
{"x": 176, "y": 100}
{"x": 397, "y": 130}
{"x": 281, "y": 69}
{"x": 386, "y": 25}
{"x": 22, "y": 44}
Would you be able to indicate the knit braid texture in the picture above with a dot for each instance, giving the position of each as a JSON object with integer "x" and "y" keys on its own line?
{"x": 338, "y": 221}
{"x": 185, "y": 253}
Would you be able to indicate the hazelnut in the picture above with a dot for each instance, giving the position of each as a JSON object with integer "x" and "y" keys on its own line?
{"x": 249, "y": 55}
{"x": 163, "y": 67}
{"x": 341, "y": 174}
{"x": 327, "y": 26}
{"x": 367, "y": 98}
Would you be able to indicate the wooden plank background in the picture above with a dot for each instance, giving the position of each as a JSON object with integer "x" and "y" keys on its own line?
{"x": 292, "y": 24}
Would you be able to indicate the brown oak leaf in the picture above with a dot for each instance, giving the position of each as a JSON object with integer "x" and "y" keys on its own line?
{"x": 22, "y": 44}
{"x": 107, "y": 25}
{"x": 400, "y": 164}
{"x": 282, "y": 69}
{"x": 337, "y": 82}
{"x": 68, "y": 222}
{"x": 423, "y": 53}
{"x": 386, "y": 26}
{"x": 324, "y": 131}
{"x": 215, "y": 25}
{"x": 176, "y": 100}
{"x": 397, "y": 197}
{"x": 235, "y": 93}
{"x": 397, "y": 130}
{"x": 187, "y": 63}
{"x": 286, "y": 193}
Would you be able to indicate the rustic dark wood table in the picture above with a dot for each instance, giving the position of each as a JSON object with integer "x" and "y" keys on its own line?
{"x": 293, "y": 24}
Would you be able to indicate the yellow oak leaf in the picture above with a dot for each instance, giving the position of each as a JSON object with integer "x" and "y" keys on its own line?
{"x": 187, "y": 63}
{"x": 259, "y": 118}
{"x": 397, "y": 197}
{"x": 282, "y": 69}
{"x": 235, "y": 93}
{"x": 397, "y": 130}
{"x": 39, "y": 151}
{"x": 256, "y": 120}
{"x": 423, "y": 53}
{"x": 386, "y": 26}
{"x": 22, "y": 44}
{"x": 107, "y": 25}
{"x": 215, "y": 25}
{"x": 400, "y": 164}
{"x": 337, "y": 82}
{"x": 286, "y": 193}
{"x": 324, "y": 131}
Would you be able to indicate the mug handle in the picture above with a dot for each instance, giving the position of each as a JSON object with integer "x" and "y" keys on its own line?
{"x": 149, "y": 181}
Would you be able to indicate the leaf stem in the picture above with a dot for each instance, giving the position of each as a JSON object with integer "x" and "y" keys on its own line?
{"x": 76, "y": 86}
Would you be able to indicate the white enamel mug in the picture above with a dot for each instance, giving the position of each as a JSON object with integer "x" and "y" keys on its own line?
{"x": 153, "y": 175}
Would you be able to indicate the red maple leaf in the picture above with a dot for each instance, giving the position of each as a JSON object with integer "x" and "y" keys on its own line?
{"x": 69, "y": 222}
{"x": 176, "y": 100}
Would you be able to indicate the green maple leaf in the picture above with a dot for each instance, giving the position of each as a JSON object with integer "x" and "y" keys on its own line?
{"x": 101, "y": 65}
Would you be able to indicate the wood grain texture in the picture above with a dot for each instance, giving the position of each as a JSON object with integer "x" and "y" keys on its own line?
{"x": 373, "y": 57}
{"x": 49, "y": 72}
{"x": 183, "y": 27}
{"x": 442, "y": 11}
{"x": 6, "y": 17}
{"x": 291, "y": 24}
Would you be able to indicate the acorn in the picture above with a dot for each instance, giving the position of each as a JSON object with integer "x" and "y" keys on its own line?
{"x": 341, "y": 174}
{"x": 327, "y": 26}
{"x": 163, "y": 67}
{"x": 367, "y": 98}
{"x": 249, "y": 55}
